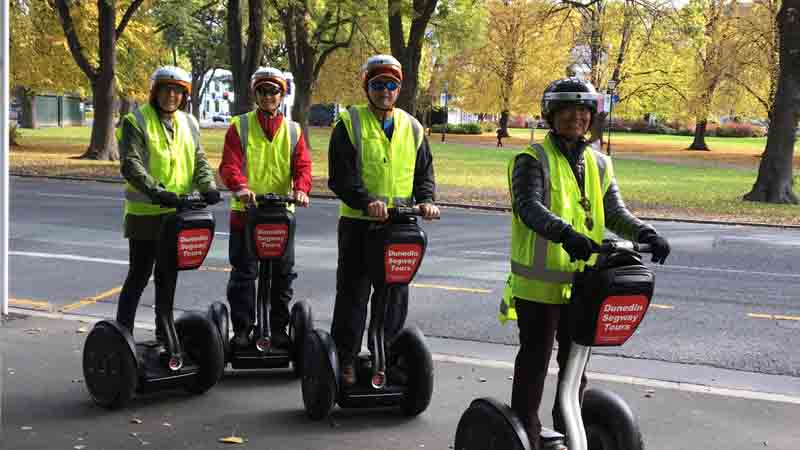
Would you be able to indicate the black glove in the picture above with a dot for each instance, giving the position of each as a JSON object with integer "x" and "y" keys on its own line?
{"x": 212, "y": 197}
{"x": 578, "y": 246}
{"x": 658, "y": 245}
{"x": 167, "y": 199}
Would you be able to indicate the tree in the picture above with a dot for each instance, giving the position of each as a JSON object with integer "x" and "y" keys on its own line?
{"x": 102, "y": 144}
{"x": 311, "y": 36}
{"x": 244, "y": 60}
{"x": 409, "y": 51}
{"x": 774, "y": 181}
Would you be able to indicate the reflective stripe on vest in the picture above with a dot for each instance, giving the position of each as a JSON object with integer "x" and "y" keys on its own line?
{"x": 404, "y": 123}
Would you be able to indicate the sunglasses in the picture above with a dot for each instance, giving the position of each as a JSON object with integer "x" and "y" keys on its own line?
{"x": 587, "y": 208}
{"x": 268, "y": 91}
{"x": 171, "y": 89}
{"x": 378, "y": 85}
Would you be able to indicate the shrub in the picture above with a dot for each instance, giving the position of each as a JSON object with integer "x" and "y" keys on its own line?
{"x": 740, "y": 130}
{"x": 466, "y": 128}
{"x": 488, "y": 127}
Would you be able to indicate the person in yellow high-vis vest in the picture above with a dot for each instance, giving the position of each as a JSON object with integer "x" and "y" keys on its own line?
{"x": 160, "y": 159}
{"x": 564, "y": 196}
{"x": 378, "y": 158}
{"x": 264, "y": 153}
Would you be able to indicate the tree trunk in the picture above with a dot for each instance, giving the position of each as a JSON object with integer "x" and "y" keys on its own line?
{"x": 407, "y": 100}
{"x": 102, "y": 144}
{"x": 244, "y": 60}
{"x": 409, "y": 52}
{"x": 126, "y": 105}
{"x": 302, "y": 105}
{"x": 699, "y": 142}
{"x": 774, "y": 181}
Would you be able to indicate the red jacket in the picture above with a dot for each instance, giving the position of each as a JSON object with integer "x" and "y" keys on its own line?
{"x": 230, "y": 169}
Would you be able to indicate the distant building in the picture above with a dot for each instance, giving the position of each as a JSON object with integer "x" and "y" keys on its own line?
{"x": 218, "y": 96}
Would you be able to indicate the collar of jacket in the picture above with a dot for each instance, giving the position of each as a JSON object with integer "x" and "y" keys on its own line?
{"x": 574, "y": 155}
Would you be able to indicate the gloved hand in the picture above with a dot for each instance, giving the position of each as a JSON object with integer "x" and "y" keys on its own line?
{"x": 212, "y": 197}
{"x": 658, "y": 244}
{"x": 579, "y": 247}
{"x": 167, "y": 199}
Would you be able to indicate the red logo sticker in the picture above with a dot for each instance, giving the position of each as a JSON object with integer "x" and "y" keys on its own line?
{"x": 271, "y": 239}
{"x": 618, "y": 318}
{"x": 193, "y": 245}
{"x": 401, "y": 261}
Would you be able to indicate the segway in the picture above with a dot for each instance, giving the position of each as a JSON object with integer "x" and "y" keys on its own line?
{"x": 190, "y": 354}
{"x": 403, "y": 376}
{"x": 609, "y": 301}
{"x": 270, "y": 226}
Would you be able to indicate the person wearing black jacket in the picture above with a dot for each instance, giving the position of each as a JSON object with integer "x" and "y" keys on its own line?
{"x": 368, "y": 143}
{"x": 589, "y": 200}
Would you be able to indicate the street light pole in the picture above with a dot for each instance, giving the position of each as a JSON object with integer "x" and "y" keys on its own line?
{"x": 4, "y": 159}
{"x": 446, "y": 112}
{"x": 611, "y": 87}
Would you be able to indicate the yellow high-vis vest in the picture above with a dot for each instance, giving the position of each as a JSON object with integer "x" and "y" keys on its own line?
{"x": 540, "y": 269}
{"x": 168, "y": 159}
{"x": 267, "y": 165}
{"x": 387, "y": 167}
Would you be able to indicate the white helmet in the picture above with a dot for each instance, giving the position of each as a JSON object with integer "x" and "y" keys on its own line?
{"x": 381, "y": 65}
{"x": 171, "y": 75}
{"x": 268, "y": 75}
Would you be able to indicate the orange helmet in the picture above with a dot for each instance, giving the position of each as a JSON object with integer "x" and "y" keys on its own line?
{"x": 268, "y": 75}
{"x": 381, "y": 65}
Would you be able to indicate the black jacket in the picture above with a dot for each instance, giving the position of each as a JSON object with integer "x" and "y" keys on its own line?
{"x": 344, "y": 174}
{"x": 527, "y": 185}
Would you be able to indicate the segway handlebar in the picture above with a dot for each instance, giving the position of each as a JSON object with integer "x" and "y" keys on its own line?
{"x": 194, "y": 200}
{"x": 274, "y": 200}
{"x": 609, "y": 246}
{"x": 405, "y": 211}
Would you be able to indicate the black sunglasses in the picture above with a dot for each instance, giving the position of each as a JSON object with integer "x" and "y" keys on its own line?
{"x": 263, "y": 90}
{"x": 379, "y": 85}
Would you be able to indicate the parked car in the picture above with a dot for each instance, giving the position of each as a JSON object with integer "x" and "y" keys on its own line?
{"x": 221, "y": 118}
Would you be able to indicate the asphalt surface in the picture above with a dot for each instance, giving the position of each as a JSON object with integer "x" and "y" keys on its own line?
{"x": 727, "y": 298}
{"x": 700, "y": 372}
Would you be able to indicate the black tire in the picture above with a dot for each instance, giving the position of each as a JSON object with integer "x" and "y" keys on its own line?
{"x": 409, "y": 346}
{"x": 219, "y": 316}
{"x": 300, "y": 324}
{"x": 109, "y": 368}
{"x": 201, "y": 341}
{"x": 610, "y": 424}
{"x": 490, "y": 425}
{"x": 319, "y": 380}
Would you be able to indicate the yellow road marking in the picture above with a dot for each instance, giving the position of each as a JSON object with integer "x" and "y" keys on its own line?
{"x": 451, "y": 288}
{"x": 90, "y": 300}
{"x": 36, "y": 304}
{"x": 657, "y": 306}
{"x": 772, "y": 316}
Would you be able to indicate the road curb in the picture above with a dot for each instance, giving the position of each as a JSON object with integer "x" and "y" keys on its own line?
{"x": 456, "y": 205}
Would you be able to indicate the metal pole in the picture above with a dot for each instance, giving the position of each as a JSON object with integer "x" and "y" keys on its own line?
{"x": 4, "y": 170}
{"x": 446, "y": 112}
{"x": 610, "y": 118}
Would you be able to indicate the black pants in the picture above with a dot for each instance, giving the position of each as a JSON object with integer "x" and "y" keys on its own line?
{"x": 539, "y": 324}
{"x": 242, "y": 285}
{"x": 142, "y": 259}
{"x": 353, "y": 291}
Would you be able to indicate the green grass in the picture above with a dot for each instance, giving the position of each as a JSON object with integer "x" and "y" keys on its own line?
{"x": 671, "y": 189}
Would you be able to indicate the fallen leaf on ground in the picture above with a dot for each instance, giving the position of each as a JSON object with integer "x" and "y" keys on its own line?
{"x": 482, "y": 380}
{"x": 34, "y": 331}
{"x": 136, "y": 420}
{"x": 232, "y": 440}
{"x": 167, "y": 424}
{"x": 25, "y": 428}
{"x": 82, "y": 330}
{"x": 79, "y": 447}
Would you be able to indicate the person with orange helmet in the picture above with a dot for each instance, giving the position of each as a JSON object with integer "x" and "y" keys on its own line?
{"x": 160, "y": 159}
{"x": 378, "y": 158}
{"x": 264, "y": 153}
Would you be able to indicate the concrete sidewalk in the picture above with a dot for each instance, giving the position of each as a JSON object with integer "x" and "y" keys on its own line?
{"x": 46, "y": 405}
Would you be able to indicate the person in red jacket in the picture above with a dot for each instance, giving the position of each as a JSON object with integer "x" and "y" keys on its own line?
{"x": 264, "y": 153}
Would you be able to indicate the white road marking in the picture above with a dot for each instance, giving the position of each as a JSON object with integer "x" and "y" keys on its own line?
{"x": 70, "y": 257}
{"x": 737, "y": 271}
{"x": 507, "y": 365}
{"x": 81, "y": 196}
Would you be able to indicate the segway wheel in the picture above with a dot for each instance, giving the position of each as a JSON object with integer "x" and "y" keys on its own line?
{"x": 490, "y": 425}
{"x": 410, "y": 352}
{"x": 200, "y": 339}
{"x": 300, "y": 325}
{"x": 319, "y": 378}
{"x": 610, "y": 424}
{"x": 219, "y": 316}
{"x": 109, "y": 367}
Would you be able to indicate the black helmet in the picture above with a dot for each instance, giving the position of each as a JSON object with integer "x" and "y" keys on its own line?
{"x": 568, "y": 92}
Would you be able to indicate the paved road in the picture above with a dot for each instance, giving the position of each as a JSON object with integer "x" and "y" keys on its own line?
{"x": 727, "y": 298}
